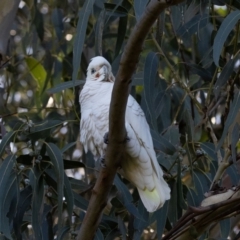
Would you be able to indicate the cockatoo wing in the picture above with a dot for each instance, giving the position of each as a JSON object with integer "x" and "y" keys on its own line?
{"x": 142, "y": 167}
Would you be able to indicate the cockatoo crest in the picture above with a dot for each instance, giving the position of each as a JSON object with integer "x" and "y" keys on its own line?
{"x": 99, "y": 70}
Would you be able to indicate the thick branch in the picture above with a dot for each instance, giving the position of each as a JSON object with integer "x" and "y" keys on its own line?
{"x": 117, "y": 132}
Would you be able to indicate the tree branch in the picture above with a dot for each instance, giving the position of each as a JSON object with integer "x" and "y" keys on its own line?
{"x": 117, "y": 132}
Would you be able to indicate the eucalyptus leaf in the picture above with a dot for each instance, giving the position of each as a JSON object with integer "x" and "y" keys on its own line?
{"x": 226, "y": 27}
{"x": 65, "y": 85}
{"x": 7, "y": 138}
{"x": 83, "y": 15}
{"x": 234, "y": 107}
{"x": 56, "y": 157}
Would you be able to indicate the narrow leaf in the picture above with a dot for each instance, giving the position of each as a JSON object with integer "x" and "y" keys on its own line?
{"x": 224, "y": 76}
{"x": 122, "y": 228}
{"x": 162, "y": 144}
{"x": 63, "y": 232}
{"x": 140, "y": 224}
{"x": 99, "y": 33}
{"x": 38, "y": 195}
{"x": 23, "y": 205}
{"x": 5, "y": 141}
{"x": 122, "y": 28}
{"x": 127, "y": 197}
{"x": 42, "y": 126}
{"x": 37, "y": 71}
{"x": 80, "y": 201}
{"x": 139, "y": 7}
{"x": 56, "y": 158}
{"x": 83, "y": 15}
{"x": 98, "y": 235}
{"x": 161, "y": 216}
{"x": 234, "y": 140}
{"x": 234, "y": 108}
{"x": 226, "y": 27}
{"x": 150, "y": 72}
{"x": 7, "y": 180}
{"x": 181, "y": 201}
{"x": 57, "y": 20}
{"x": 225, "y": 226}
{"x": 67, "y": 146}
{"x": 65, "y": 85}
{"x": 69, "y": 196}
{"x": 193, "y": 26}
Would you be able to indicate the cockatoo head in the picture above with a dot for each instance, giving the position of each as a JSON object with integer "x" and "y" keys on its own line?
{"x": 99, "y": 70}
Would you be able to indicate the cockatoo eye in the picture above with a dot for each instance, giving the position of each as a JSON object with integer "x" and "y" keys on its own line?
{"x": 93, "y": 71}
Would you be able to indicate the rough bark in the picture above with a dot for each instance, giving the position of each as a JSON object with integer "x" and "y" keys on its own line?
{"x": 117, "y": 132}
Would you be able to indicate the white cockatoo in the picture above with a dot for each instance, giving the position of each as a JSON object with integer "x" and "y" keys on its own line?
{"x": 140, "y": 166}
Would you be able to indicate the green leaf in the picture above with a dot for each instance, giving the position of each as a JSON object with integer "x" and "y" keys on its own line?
{"x": 99, "y": 33}
{"x": 225, "y": 226}
{"x": 63, "y": 232}
{"x": 83, "y": 17}
{"x": 115, "y": 9}
{"x": 56, "y": 158}
{"x": 209, "y": 148}
{"x": 234, "y": 108}
{"x": 173, "y": 203}
{"x": 126, "y": 197}
{"x": 78, "y": 184}
{"x": 7, "y": 179}
{"x": 80, "y": 201}
{"x": 98, "y": 235}
{"x": 113, "y": 234}
{"x": 57, "y": 20}
{"x": 234, "y": 140}
{"x": 162, "y": 144}
{"x": 161, "y": 216}
{"x": 65, "y": 85}
{"x": 181, "y": 200}
{"x": 201, "y": 184}
{"x": 189, "y": 124}
{"x": 226, "y": 27}
{"x": 5, "y": 141}
{"x": 39, "y": 23}
{"x": 42, "y": 126}
{"x": 140, "y": 223}
{"x": 67, "y": 146}
{"x": 139, "y": 8}
{"x": 24, "y": 203}
{"x": 150, "y": 73}
{"x": 37, "y": 184}
{"x": 225, "y": 74}
{"x": 69, "y": 196}
{"x": 172, "y": 135}
{"x": 37, "y": 71}
{"x": 122, "y": 228}
{"x": 194, "y": 25}
{"x": 234, "y": 175}
{"x": 69, "y": 164}
{"x": 202, "y": 72}
{"x": 122, "y": 28}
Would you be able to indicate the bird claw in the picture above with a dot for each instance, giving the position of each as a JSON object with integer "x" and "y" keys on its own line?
{"x": 102, "y": 162}
{"x": 105, "y": 138}
{"x": 127, "y": 139}
{"x": 106, "y": 141}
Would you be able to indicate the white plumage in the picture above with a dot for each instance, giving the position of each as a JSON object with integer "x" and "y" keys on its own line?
{"x": 140, "y": 166}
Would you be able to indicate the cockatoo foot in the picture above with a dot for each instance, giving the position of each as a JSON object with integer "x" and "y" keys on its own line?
{"x": 102, "y": 162}
{"x": 105, "y": 138}
{"x": 106, "y": 141}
